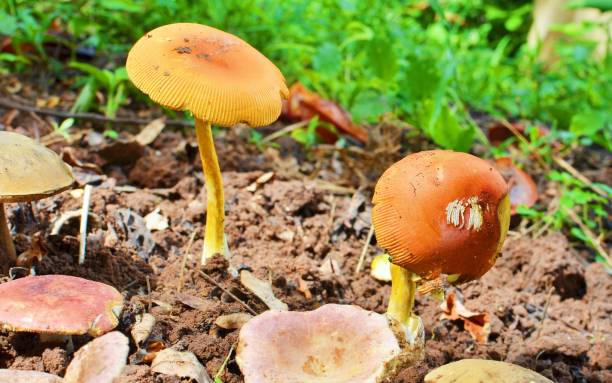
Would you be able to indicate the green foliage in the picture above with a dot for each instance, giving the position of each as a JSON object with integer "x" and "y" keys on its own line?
{"x": 114, "y": 82}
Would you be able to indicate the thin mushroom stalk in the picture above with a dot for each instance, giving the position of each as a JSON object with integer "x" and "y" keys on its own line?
{"x": 214, "y": 236}
{"x": 7, "y": 248}
{"x": 401, "y": 303}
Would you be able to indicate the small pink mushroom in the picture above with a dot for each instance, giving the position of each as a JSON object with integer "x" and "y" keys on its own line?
{"x": 59, "y": 304}
{"x": 334, "y": 343}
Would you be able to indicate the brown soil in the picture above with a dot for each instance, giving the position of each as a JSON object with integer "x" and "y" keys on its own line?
{"x": 549, "y": 309}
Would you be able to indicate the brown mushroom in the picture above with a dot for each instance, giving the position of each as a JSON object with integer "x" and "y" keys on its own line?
{"x": 438, "y": 212}
{"x": 219, "y": 78}
{"x": 28, "y": 172}
{"x": 59, "y": 304}
{"x": 334, "y": 343}
{"x": 480, "y": 370}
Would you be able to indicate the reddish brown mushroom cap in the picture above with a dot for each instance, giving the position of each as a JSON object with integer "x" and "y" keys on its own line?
{"x": 59, "y": 304}
{"x": 441, "y": 212}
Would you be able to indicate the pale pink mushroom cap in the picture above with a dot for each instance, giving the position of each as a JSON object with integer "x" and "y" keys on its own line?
{"x": 20, "y": 376}
{"x": 59, "y": 304}
{"x": 334, "y": 343}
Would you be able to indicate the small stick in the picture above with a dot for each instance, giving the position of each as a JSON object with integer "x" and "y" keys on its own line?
{"x": 246, "y": 306}
{"x": 550, "y": 291}
{"x": 587, "y": 231}
{"x": 84, "y": 218}
{"x": 285, "y": 130}
{"x": 180, "y": 284}
{"x": 9, "y": 104}
{"x": 149, "y": 294}
{"x": 573, "y": 171}
{"x": 366, "y": 245}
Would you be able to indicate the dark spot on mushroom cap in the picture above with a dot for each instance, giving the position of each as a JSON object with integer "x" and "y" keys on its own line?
{"x": 183, "y": 50}
{"x": 203, "y": 55}
{"x": 149, "y": 35}
{"x": 166, "y": 73}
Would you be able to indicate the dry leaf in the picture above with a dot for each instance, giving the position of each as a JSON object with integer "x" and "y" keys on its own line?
{"x": 183, "y": 364}
{"x": 142, "y": 328}
{"x": 99, "y": 361}
{"x": 303, "y": 105}
{"x": 523, "y": 190}
{"x": 263, "y": 290}
{"x": 192, "y": 301}
{"x": 233, "y": 321}
{"x": 19, "y": 376}
{"x": 477, "y": 324}
{"x": 151, "y": 131}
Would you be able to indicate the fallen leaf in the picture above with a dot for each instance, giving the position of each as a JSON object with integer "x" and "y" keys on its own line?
{"x": 233, "y": 321}
{"x": 303, "y": 105}
{"x": 99, "y": 361}
{"x": 151, "y": 131}
{"x": 499, "y": 132}
{"x": 523, "y": 190}
{"x": 192, "y": 301}
{"x": 477, "y": 324}
{"x": 142, "y": 328}
{"x": 35, "y": 253}
{"x": 182, "y": 364}
{"x": 155, "y": 221}
{"x": 19, "y": 376}
{"x": 69, "y": 156}
{"x": 263, "y": 290}
{"x": 122, "y": 151}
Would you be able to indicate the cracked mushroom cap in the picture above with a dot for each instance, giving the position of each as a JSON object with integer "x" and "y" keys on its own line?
{"x": 30, "y": 171}
{"x": 217, "y": 76}
{"x": 334, "y": 343}
{"x": 59, "y": 304}
{"x": 442, "y": 212}
{"x": 479, "y": 370}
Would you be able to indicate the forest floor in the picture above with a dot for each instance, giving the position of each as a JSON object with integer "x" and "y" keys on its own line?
{"x": 298, "y": 219}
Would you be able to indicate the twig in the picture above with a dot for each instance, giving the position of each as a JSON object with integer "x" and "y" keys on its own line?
{"x": 550, "y": 291}
{"x": 150, "y": 304}
{"x": 246, "y": 306}
{"x": 180, "y": 284}
{"x": 285, "y": 130}
{"x": 84, "y": 218}
{"x": 573, "y": 171}
{"x": 364, "y": 251}
{"x": 8, "y": 104}
{"x": 587, "y": 231}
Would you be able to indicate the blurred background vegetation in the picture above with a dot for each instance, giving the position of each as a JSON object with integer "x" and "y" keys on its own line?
{"x": 438, "y": 65}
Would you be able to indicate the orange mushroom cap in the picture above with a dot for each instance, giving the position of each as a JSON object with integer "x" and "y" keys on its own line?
{"x": 442, "y": 212}
{"x": 59, "y": 304}
{"x": 217, "y": 76}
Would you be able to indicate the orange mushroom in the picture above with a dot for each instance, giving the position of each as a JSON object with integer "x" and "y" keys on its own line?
{"x": 219, "y": 78}
{"x": 438, "y": 212}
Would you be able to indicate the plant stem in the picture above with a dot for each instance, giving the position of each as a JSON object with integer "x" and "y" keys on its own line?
{"x": 214, "y": 237}
{"x": 7, "y": 248}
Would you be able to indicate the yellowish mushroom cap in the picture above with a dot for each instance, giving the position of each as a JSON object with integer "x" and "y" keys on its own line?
{"x": 30, "y": 171}
{"x": 215, "y": 75}
{"x": 480, "y": 370}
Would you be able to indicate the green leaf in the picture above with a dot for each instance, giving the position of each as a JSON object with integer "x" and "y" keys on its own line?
{"x": 327, "y": 59}
{"x": 588, "y": 123}
{"x": 8, "y": 24}
{"x": 445, "y": 128}
{"x": 86, "y": 96}
{"x": 382, "y": 58}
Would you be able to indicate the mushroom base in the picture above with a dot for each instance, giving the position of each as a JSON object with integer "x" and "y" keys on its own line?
{"x": 335, "y": 343}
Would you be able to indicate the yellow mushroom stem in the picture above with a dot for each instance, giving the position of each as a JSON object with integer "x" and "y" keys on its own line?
{"x": 401, "y": 302}
{"x": 7, "y": 248}
{"x": 214, "y": 236}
